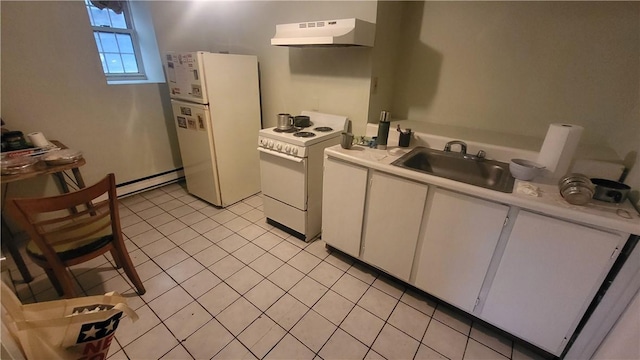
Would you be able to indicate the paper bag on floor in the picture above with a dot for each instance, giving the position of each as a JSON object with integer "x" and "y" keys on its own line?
{"x": 79, "y": 328}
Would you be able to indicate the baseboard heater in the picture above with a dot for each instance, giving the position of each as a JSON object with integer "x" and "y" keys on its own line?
{"x": 149, "y": 182}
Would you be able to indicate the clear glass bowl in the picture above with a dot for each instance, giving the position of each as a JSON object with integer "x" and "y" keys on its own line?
{"x": 18, "y": 165}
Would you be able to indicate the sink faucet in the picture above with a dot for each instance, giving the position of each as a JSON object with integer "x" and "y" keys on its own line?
{"x": 463, "y": 146}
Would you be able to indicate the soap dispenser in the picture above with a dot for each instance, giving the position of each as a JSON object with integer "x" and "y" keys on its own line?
{"x": 383, "y": 130}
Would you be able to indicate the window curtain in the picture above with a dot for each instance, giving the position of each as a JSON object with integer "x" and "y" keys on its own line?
{"x": 115, "y": 5}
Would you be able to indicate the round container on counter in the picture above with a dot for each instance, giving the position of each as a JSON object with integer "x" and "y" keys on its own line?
{"x": 576, "y": 189}
{"x": 522, "y": 169}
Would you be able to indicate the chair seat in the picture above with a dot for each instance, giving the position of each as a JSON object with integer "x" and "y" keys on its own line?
{"x": 73, "y": 228}
{"x": 70, "y": 251}
{"x": 90, "y": 235}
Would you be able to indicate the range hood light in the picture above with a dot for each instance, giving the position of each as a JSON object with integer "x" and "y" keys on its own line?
{"x": 343, "y": 32}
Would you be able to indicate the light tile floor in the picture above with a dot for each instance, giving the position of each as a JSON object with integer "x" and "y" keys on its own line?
{"x": 222, "y": 283}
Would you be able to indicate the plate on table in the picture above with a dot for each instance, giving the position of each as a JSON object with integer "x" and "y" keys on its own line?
{"x": 61, "y": 157}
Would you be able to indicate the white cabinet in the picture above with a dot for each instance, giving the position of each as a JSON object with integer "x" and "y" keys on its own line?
{"x": 548, "y": 274}
{"x": 343, "y": 197}
{"x": 392, "y": 223}
{"x": 459, "y": 240}
{"x": 533, "y": 278}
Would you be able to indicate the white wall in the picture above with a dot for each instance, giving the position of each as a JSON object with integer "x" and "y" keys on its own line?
{"x": 386, "y": 53}
{"x": 515, "y": 67}
{"x": 333, "y": 80}
{"x": 508, "y": 66}
{"x": 52, "y": 82}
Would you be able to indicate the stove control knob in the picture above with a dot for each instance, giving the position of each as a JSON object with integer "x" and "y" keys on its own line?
{"x": 287, "y": 148}
{"x": 279, "y": 146}
{"x": 263, "y": 142}
{"x": 294, "y": 151}
{"x": 270, "y": 144}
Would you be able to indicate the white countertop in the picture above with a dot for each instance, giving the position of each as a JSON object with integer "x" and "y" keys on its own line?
{"x": 549, "y": 201}
{"x": 593, "y": 160}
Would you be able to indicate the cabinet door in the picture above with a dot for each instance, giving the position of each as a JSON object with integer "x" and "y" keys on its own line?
{"x": 343, "y": 194}
{"x": 392, "y": 223}
{"x": 460, "y": 237}
{"x": 548, "y": 274}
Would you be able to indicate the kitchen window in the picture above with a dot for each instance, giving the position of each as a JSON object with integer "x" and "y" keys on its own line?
{"x": 125, "y": 40}
{"x": 116, "y": 39}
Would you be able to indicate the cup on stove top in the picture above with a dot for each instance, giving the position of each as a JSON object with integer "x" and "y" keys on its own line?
{"x": 285, "y": 121}
{"x": 301, "y": 121}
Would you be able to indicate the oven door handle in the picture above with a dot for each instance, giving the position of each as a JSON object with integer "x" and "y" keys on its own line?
{"x": 280, "y": 155}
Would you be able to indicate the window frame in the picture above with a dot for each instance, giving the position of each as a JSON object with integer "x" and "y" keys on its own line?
{"x": 131, "y": 31}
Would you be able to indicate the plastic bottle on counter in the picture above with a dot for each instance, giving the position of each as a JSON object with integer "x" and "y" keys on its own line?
{"x": 383, "y": 130}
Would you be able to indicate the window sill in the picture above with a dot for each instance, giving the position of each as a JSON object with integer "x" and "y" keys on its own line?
{"x": 137, "y": 81}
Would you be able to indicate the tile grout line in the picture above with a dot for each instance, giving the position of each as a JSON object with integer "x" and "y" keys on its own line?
{"x": 224, "y": 281}
{"x": 179, "y": 194}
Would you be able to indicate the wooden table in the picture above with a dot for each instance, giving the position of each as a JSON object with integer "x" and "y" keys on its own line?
{"x": 40, "y": 169}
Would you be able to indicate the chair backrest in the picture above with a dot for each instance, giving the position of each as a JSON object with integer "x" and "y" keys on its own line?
{"x": 68, "y": 218}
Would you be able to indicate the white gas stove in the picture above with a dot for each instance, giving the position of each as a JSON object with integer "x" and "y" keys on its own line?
{"x": 291, "y": 173}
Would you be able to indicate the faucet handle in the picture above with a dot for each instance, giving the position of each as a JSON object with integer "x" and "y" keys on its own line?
{"x": 481, "y": 154}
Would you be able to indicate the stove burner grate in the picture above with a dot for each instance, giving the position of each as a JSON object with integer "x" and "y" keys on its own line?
{"x": 289, "y": 130}
{"x": 304, "y": 134}
{"x": 323, "y": 129}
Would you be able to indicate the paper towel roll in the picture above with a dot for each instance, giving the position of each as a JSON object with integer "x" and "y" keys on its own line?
{"x": 558, "y": 149}
{"x": 38, "y": 139}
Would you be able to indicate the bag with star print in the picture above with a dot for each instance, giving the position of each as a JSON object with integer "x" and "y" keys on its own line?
{"x": 70, "y": 329}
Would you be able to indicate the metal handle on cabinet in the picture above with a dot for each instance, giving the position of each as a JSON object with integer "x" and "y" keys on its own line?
{"x": 614, "y": 253}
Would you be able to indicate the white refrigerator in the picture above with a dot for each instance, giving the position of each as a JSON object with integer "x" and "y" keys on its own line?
{"x": 216, "y": 110}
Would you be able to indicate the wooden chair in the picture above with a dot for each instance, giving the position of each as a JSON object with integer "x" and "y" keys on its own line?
{"x": 72, "y": 228}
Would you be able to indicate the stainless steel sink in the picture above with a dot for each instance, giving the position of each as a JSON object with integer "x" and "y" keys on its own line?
{"x": 468, "y": 169}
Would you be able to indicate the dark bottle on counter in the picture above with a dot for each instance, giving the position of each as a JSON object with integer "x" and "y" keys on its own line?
{"x": 383, "y": 130}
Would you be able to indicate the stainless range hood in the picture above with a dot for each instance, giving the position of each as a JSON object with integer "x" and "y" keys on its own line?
{"x": 343, "y": 32}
